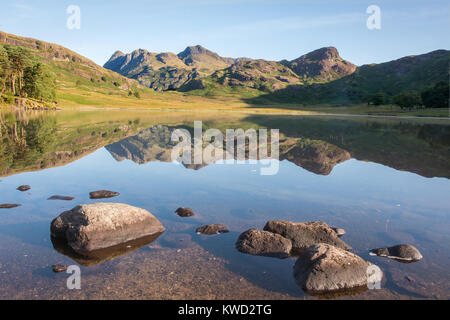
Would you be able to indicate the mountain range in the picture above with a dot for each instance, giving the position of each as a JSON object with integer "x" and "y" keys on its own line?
{"x": 196, "y": 66}
{"x": 319, "y": 77}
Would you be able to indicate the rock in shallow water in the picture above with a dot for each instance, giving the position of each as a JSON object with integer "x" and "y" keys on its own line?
{"x": 9, "y": 205}
{"x": 184, "y": 212}
{"x": 264, "y": 243}
{"x": 102, "y": 194}
{"x": 401, "y": 252}
{"x": 102, "y": 225}
{"x": 323, "y": 268}
{"x": 306, "y": 234}
{"x": 24, "y": 188}
{"x": 211, "y": 229}
{"x": 57, "y": 197}
{"x": 58, "y": 268}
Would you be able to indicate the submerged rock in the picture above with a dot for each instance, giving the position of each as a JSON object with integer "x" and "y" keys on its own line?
{"x": 305, "y": 234}
{"x": 57, "y": 197}
{"x": 339, "y": 231}
{"x": 102, "y": 225}
{"x": 9, "y": 205}
{"x": 96, "y": 257}
{"x": 212, "y": 229}
{"x": 401, "y": 252}
{"x": 264, "y": 243}
{"x": 184, "y": 212}
{"x": 323, "y": 268}
{"x": 59, "y": 268}
{"x": 102, "y": 194}
{"x": 24, "y": 188}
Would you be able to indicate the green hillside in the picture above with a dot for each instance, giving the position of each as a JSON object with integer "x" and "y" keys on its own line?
{"x": 412, "y": 73}
{"x": 76, "y": 78}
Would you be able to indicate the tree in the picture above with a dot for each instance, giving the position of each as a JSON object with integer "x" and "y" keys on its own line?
{"x": 437, "y": 96}
{"x": 39, "y": 82}
{"x": 376, "y": 99}
{"x": 407, "y": 99}
{"x": 19, "y": 59}
{"x": 4, "y": 68}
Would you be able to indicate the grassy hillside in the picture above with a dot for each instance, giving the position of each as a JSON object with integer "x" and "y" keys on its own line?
{"x": 245, "y": 77}
{"x": 390, "y": 78}
{"x": 82, "y": 83}
{"x": 77, "y": 77}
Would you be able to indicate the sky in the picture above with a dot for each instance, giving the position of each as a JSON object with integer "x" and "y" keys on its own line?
{"x": 263, "y": 29}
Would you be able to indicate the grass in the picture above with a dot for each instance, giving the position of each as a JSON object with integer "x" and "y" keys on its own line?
{"x": 84, "y": 85}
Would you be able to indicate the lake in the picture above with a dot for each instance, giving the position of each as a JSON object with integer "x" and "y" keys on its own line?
{"x": 385, "y": 181}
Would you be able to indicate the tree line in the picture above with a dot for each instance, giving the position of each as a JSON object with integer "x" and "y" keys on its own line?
{"x": 23, "y": 75}
{"x": 436, "y": 96}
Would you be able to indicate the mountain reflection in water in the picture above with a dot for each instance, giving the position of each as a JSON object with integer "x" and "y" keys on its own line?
{"x": 154, "y": 144}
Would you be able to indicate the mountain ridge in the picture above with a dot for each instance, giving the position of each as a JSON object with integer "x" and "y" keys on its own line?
{"x": 197, "y": 62}
{"x": 167, "y": 70}
{"x": 410, "y": 73}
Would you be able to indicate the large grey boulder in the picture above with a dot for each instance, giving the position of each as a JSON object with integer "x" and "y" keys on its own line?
{"x": 323, "y": 268}
{"x": 305, "y": 234}
{"x": 263, "y": 243}
{"x": 401, "y": 252}
{"x": 90, "y": 227}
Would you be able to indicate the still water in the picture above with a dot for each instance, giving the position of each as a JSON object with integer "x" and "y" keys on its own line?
{"x": 384, "y": 181}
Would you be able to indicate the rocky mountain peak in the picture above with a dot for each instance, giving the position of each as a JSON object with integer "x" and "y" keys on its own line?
{"x": 193, "y": 50}
{"x": 117, "y": 54}
{"x": 324, "y": 64}
{"x": 323, "y": 54}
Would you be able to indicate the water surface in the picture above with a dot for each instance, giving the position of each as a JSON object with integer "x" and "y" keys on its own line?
{"x": 384, "y": 181}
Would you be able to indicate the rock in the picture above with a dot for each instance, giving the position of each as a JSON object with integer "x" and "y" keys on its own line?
{"x": 401, "y": 252}
{"x": 9, "y": 205}
{"x": 184, "y": 212}
{"x": 97, "y": 257}
{"x": 264, "y": 243}
{"x": 339, "y": 231}
{"x": 65, "y": 198}
{"x": 212, "y": 229}
{"x": 101, "y": 225}
{"x": 59, "y": 268}
{"x": 101, "y": 194}
{"x": 323, "y": 268}
{"x": 24, "y": 188}
{"x": 305, "y": 234}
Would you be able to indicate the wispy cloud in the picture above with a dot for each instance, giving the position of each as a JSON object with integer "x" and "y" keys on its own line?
{"x": 297, "y": 23}
{"x": 22, "y": 6}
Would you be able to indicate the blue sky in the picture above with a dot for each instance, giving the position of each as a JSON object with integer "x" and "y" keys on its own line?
{"x": 267, "y": 29}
